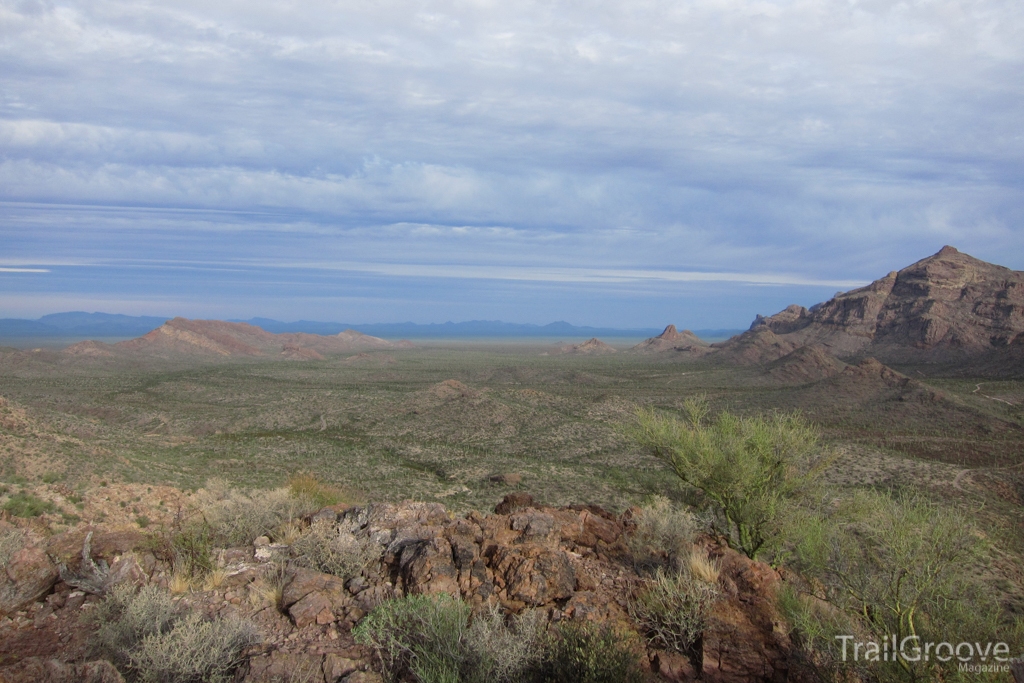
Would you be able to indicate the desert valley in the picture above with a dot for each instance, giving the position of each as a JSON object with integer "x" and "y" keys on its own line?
{"x": 673, "y": 510}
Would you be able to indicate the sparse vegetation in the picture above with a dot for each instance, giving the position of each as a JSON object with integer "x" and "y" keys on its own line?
{"x": 151, "y": 640}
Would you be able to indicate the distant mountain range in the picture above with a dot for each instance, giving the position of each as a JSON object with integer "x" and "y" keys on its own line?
{"x": 93, "y": 325}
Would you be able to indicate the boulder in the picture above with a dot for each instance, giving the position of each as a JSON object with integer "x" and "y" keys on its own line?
{"x": 28, "y": 576}
{"x": 534, "y": 574}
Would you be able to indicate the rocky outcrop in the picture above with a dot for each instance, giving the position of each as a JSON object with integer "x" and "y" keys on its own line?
{"x": 682, "y": 343}
{"x": 27, "y": 576}
{"x": 947, "y": 307}
{"x": 563, "y": 563}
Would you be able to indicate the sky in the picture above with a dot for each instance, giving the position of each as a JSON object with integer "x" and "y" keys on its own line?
{"x": 621, "y": 163}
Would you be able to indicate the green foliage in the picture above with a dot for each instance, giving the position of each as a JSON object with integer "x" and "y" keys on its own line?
{"x": 191, "y": 550}
{"x": 586, "y": 653}
{"x": 420, "y": 634}
{"x": 305, "y": 486}
{"x": 151, "y": 640}
{"x": 24, "y": 504}
{"x": 897, "y": 566}
{"x": 51, "y": 477}
{"x": 143, "y": 521}
{"x": 749, "y": 469}
{"x": 332, "y": 550}
{"x": 436, "y": 640}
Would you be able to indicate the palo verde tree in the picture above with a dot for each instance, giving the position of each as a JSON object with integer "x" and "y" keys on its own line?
{"x": 749, "y": 469}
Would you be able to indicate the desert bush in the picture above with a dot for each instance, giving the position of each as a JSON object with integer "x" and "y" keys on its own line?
{"x": 749, "y": 469}
{"x": 235, "y": 517}
{"x": 23, "y": 504}
{"x": 897, "y": 566}
{"x": 502, "y": 650}
{"x": 433, "y": 639}
{"x": 333, "y": 550}
{"x": 581, "y": 652}
{"x": 11, "y": 541}
{"x": 305, "y": 486}
{"x": 191, "y": 550}
{"x": 663, "y": 535}
{"x": 419, "y": 634}
{"x": 195, "y": 650}
{"x": 150, "y": 639}
{"x": 672, "y": 608}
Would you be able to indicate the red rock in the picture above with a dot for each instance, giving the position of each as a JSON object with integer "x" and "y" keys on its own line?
{"x": 315, "y": 607}
{"x": 534, "y": 574}
{"x": 28, "y": 576}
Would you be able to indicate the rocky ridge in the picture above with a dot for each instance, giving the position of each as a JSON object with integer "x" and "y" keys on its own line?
{"x": 947, "y": 307}
{"x": 567, "y": 563}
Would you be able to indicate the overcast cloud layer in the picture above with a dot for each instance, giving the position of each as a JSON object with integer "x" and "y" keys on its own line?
{"x": 623, "y": 163}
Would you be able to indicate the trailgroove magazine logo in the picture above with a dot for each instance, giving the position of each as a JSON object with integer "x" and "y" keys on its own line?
{"x": 970, "y": 657}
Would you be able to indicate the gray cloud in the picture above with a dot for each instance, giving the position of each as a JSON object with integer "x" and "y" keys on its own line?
{"x": 814, "y": 140}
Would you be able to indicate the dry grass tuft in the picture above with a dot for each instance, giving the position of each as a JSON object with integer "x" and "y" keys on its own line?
{"x": 702, "y": 567}
{"x": 214, "y": 579}
{"x": 181, "y": 582}
{"x": 268, "y": 589}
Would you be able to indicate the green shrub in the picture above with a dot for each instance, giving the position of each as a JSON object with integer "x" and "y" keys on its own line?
{"x": 420, "y": 634}
{"x": 663, "y": 535}
{"x": 749, "y": 469}
{"x": 192, "y": 550}
{"x": 24, "y": 504}
{"x": 897, "y": 566}
{"x": 50, "y": 478}
{"x": 587, "y": 653}
{"x": 151, "y": 640}
{"x": 332, "y": 550}
{"x": 304, "y": 486}
{"x": 436, "y": 640}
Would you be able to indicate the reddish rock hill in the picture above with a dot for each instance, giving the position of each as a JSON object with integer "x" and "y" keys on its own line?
{"x": 757, "y": 346}
{"x": 182, "y": 337}
{"x": 947, "y": 307}
{"x": 806, "y": 364}
{"x": 685, "y": 342}
{"x": 591, "y": 347}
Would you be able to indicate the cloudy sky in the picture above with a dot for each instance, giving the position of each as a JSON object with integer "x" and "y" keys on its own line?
{"x": 611, "y": 162}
